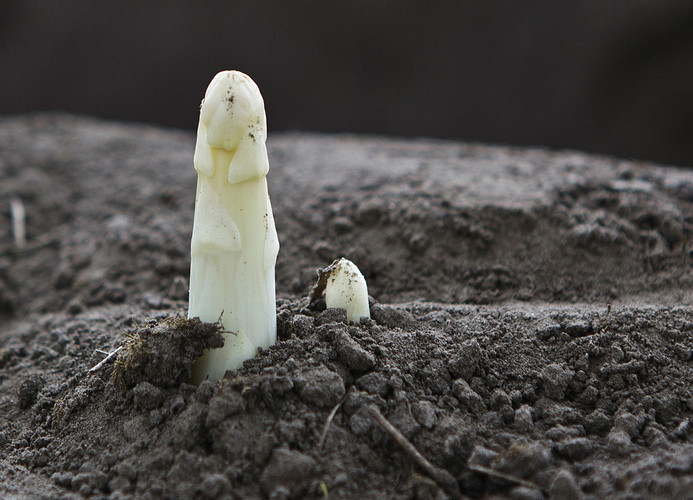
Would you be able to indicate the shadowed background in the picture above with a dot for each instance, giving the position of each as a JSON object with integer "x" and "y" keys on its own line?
{"x": 611, "y": 77}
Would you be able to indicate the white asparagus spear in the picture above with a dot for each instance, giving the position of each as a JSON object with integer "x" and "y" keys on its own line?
{"x": 234, "y": 242}
{"x": 346, "y": 289}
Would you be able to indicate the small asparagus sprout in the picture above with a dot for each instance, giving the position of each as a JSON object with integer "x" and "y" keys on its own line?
{"x": 346, "y": 289}
{"x": 234, "y": 242}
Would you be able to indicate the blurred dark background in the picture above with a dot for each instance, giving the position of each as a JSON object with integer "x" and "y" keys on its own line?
{"x": 611, "y": 76}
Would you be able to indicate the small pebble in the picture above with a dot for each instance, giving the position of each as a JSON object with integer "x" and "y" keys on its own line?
{"x": 467, "y": 360}
{"x": 466, "y": 395}
{"x": 214, "y": 486}
{"x": 555, "y": 379}
{"x": 619, "y": 443}
{"x": 425, "y": 414}
{"x": 320, "y": 386}
{"x": 482, "y": 456}
{"x": 523, "y": 459}
{"x": 523, "y": 419}
{"x": 287, "y": 469}
{"x": 374, "y": 383}
{"x": 578, "y": 328}
{"x": 564, "y": 487}
{"x": 350, "y": 353}
{"x": 576, "y": 448}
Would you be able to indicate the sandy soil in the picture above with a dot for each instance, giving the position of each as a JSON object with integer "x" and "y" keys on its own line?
{"x": 530, "y": 334}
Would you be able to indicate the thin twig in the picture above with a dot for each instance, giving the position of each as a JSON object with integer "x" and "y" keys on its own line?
{"x": 440, "y": 476}
{"x": 105, "y": 360}
{"x": 18, "y": 216}
{"x": 328, "y": 422}
{"x": 502, "y": 475}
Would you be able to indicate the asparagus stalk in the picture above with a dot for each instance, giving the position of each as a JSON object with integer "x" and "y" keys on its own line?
{"x": 346, "y": 289}
{"x": 234, "y": 242}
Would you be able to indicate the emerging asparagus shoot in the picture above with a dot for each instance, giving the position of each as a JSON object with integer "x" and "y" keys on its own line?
{"x": 234, "y": 242}
{"x": 346, "y": 289}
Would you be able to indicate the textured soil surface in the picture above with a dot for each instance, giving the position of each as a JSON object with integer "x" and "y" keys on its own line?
{"x": 531, "y": 333}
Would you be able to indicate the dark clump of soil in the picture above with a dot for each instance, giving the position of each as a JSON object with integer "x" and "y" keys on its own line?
{"x": 558, "y": 400}
{"x": 531, "y": 330}
{"x": 163, "y": 353}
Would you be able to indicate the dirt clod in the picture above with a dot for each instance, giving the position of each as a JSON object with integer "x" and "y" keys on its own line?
{"x": 28, "y": 391}
{"x": 163, "y": 353}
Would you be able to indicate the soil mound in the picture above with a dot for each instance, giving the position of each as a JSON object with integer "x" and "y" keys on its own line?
{"x": 531, "y": 331}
